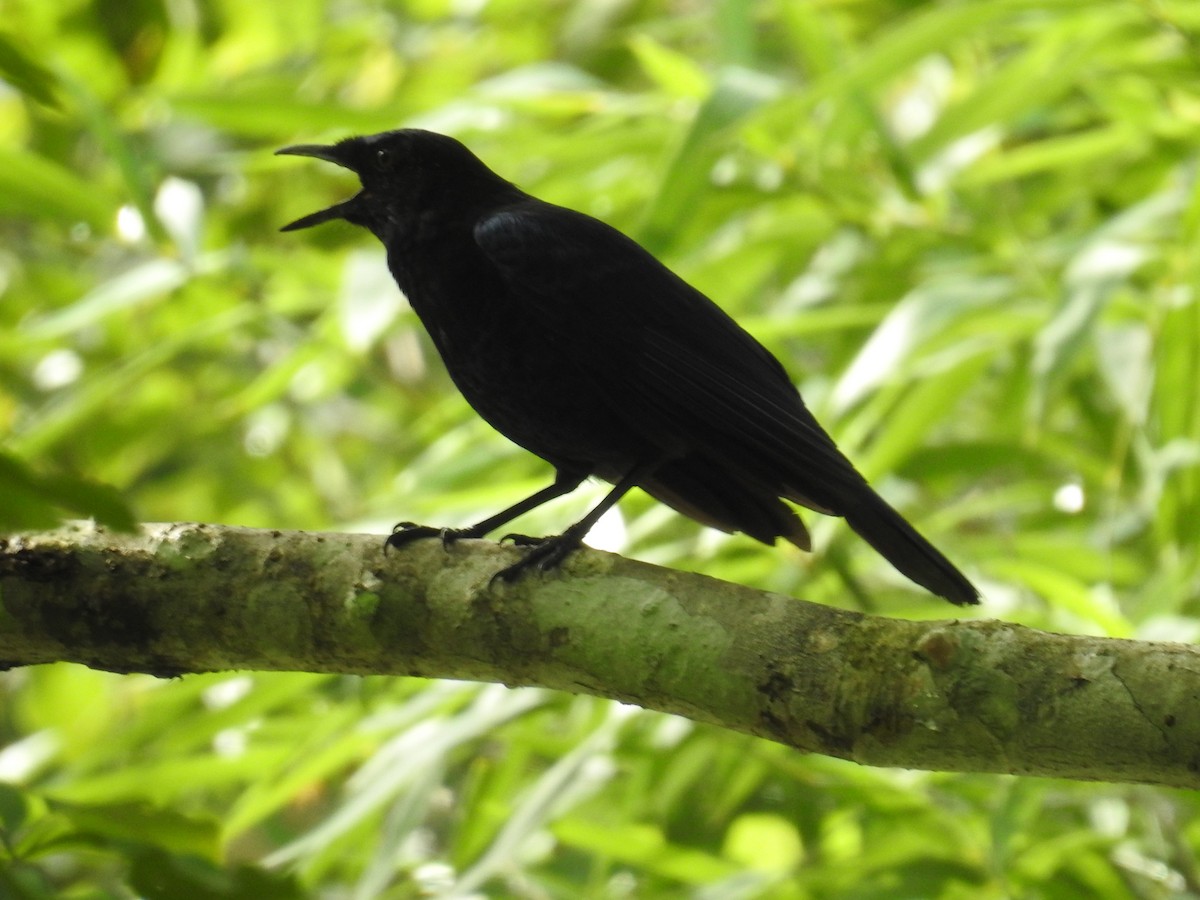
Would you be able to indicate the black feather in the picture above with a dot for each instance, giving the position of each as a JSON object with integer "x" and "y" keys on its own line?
{"x": 579, "y": 345}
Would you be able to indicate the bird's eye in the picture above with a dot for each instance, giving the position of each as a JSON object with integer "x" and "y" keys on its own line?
{"x": 383, "y": 158}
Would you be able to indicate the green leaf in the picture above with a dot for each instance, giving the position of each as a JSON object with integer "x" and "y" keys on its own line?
{"x": 12, "y": 808}
{"x": 35, "y": 501}
{"x": 144, "y": 824}
{"x": 736, "y": 94}
{"x": 674, "y": 72}
{"x": 33, "y": 186}
{"x": 27, "y": 75}
{"x": 158, "y": 875}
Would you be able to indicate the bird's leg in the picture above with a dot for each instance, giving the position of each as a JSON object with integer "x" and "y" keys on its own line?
{"x": 548, "y": 552}
{"x": 407, "y": 532}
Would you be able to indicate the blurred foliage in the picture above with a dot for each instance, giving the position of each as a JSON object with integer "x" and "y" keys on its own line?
{"x": 970, "y": 229}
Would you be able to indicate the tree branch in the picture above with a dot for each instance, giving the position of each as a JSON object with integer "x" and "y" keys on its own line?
{"x": 980, "y": 696}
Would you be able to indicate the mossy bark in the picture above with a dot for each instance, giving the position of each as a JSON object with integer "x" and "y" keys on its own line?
{"x": 980, "y": 696}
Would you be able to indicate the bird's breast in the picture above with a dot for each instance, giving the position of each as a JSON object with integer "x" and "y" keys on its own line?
{"x": 511, "y": 368}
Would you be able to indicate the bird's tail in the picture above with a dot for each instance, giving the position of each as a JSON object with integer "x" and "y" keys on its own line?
{"x": 900, "y": 544}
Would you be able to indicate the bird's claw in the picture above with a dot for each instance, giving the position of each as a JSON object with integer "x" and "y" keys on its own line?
{"x": 545, "y": 553}
{"x": 406, "y": 532}
{"x": 524, "y": 540}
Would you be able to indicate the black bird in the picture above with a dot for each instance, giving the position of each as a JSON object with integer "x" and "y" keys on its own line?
{"x": 578, "y": 345}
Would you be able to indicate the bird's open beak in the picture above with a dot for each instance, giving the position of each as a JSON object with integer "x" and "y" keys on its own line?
{"x": 338, "y": 210}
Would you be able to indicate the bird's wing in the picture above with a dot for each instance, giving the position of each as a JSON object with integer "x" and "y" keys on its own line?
{"x": 669, "y": 360}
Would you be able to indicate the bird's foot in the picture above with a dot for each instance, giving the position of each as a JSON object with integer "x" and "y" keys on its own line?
{"x": 524, "y": 540}
{"x": 407, "y": 532}
{"x": 545, "y": 553}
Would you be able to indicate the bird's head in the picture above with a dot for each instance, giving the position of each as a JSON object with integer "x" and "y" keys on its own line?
{"x": 403, "y": 174}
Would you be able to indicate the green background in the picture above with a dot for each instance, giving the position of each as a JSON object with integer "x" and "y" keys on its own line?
{"x": 971, "y": 231}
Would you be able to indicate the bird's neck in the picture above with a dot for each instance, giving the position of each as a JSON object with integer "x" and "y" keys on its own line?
{"x": 448, "y": 282}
